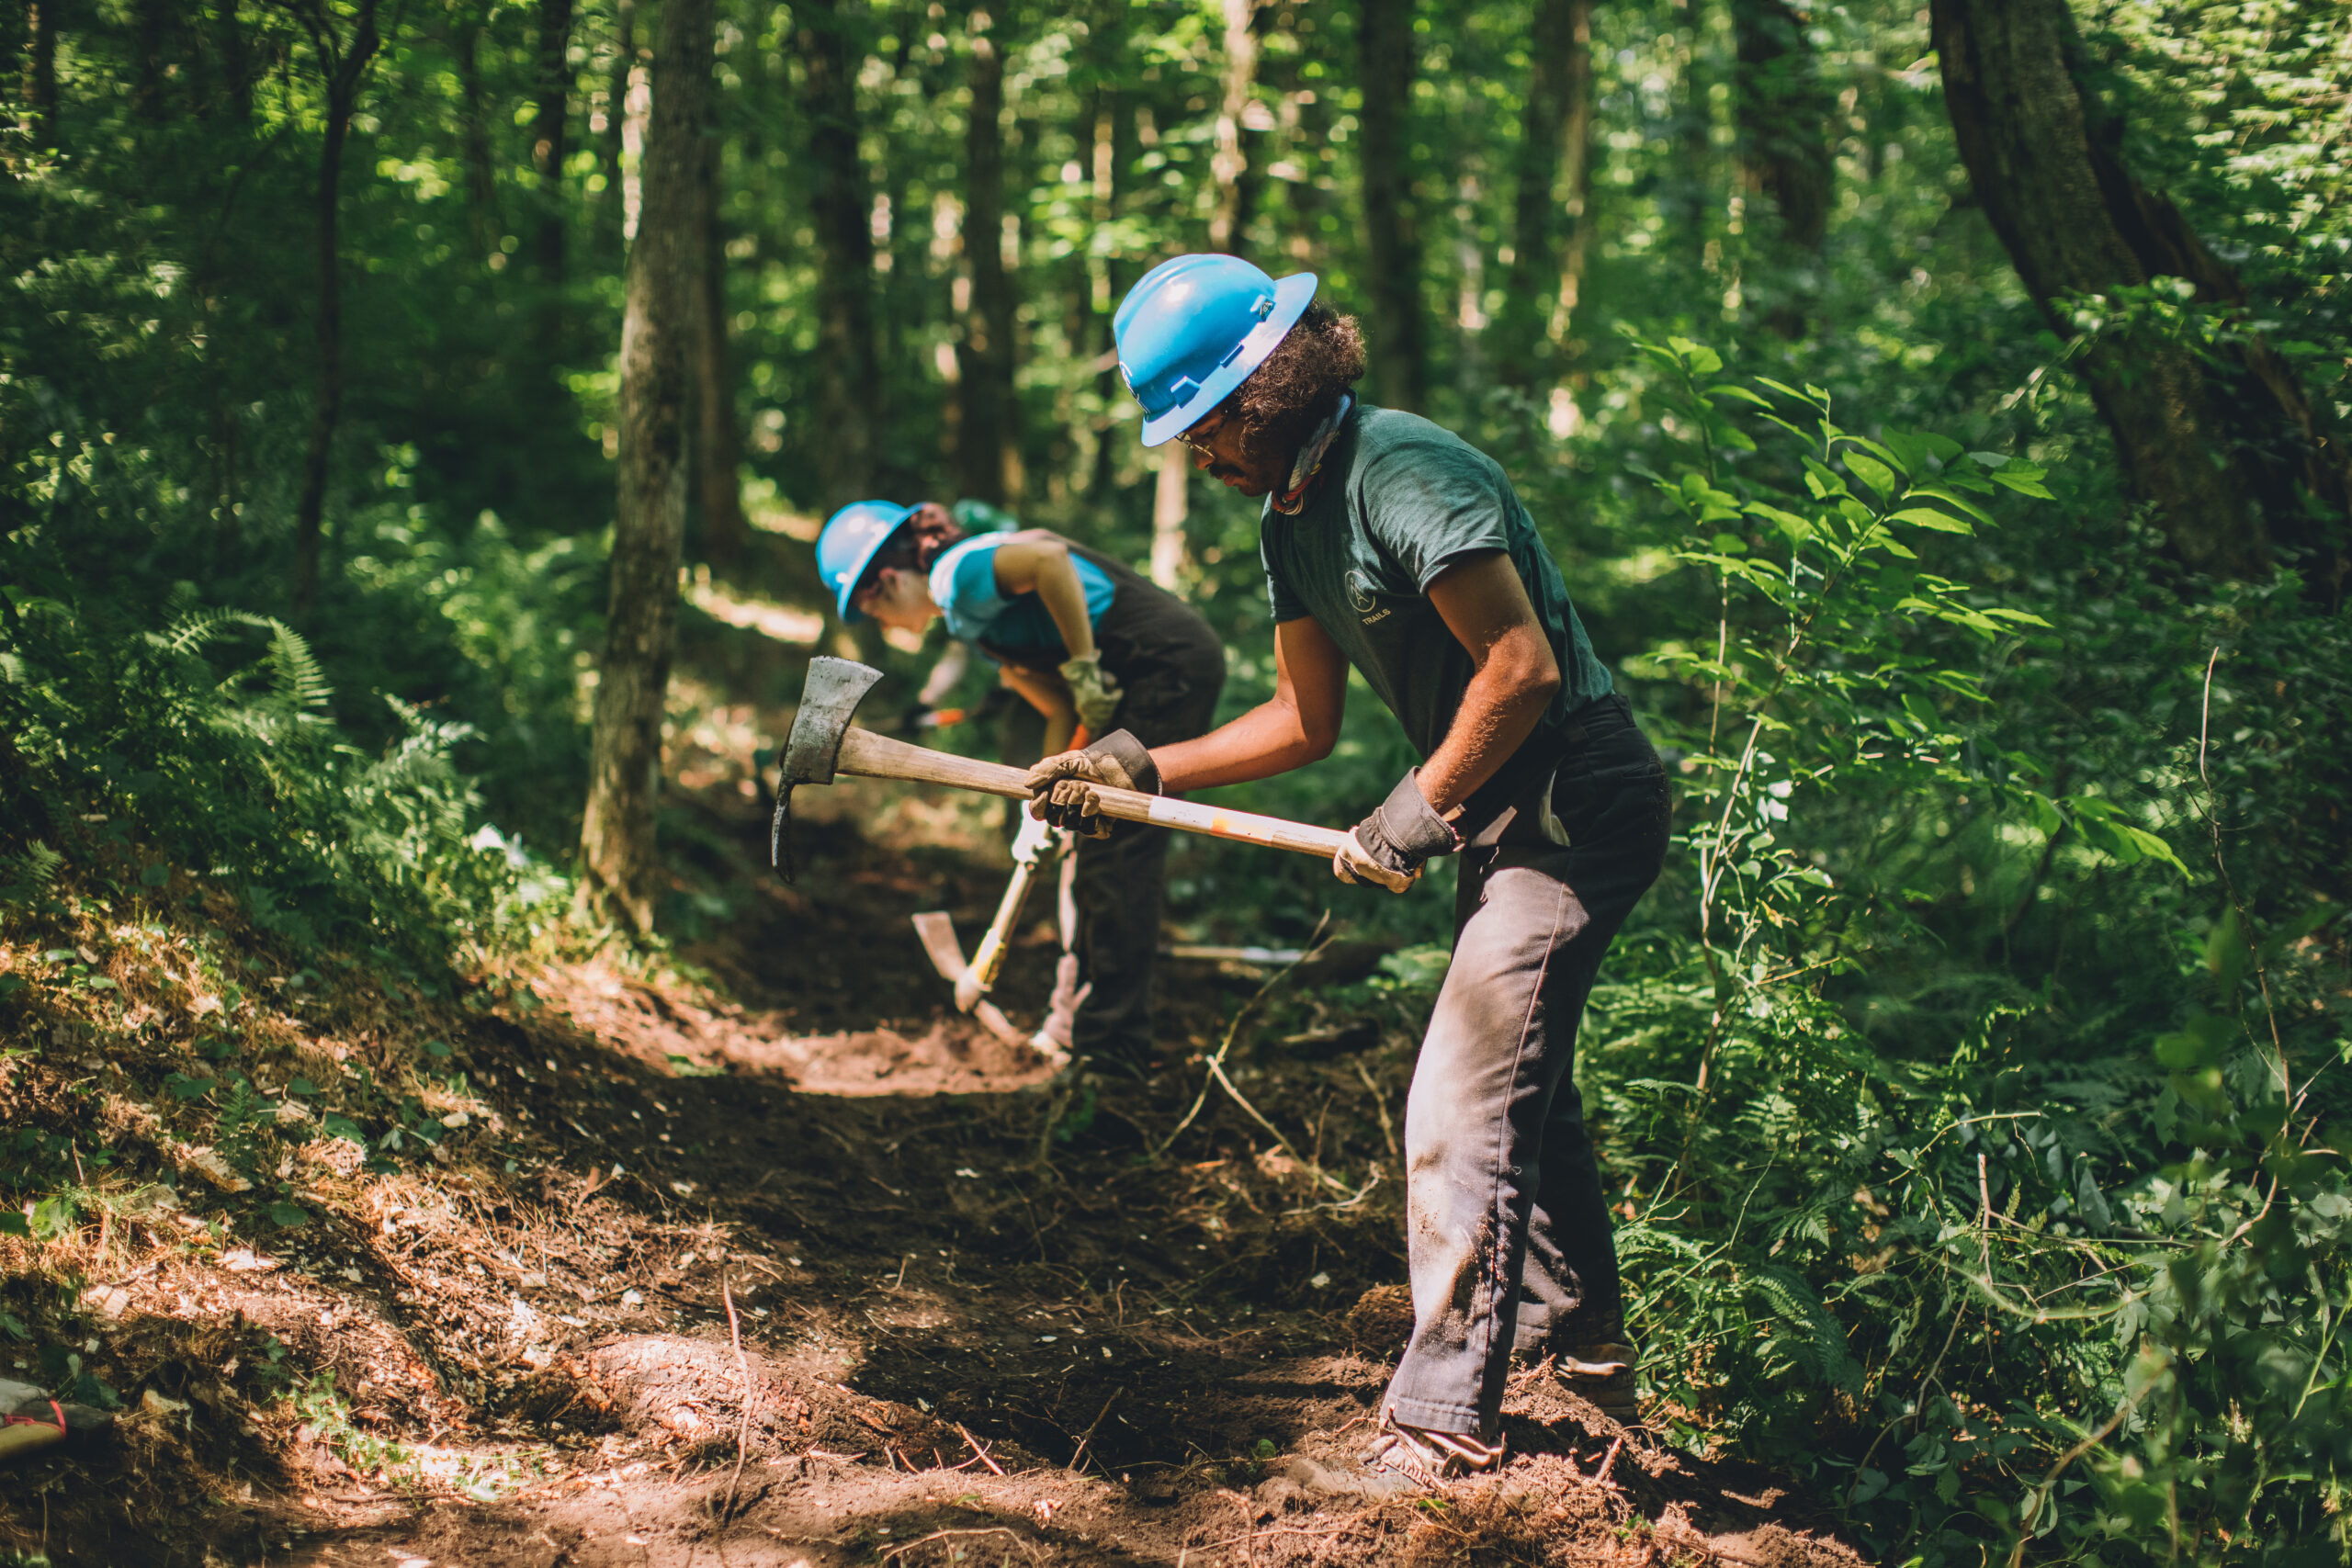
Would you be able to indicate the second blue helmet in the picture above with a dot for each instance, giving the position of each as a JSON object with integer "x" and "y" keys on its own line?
{"x": 1194, "y": 329}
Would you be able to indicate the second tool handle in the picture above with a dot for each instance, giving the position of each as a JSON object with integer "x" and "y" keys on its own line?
{"x": 880, "y": 757}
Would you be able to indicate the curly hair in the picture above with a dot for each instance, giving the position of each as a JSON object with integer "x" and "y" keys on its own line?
{"x": 1300, "y": 383}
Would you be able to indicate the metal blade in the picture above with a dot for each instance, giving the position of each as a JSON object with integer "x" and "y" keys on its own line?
{"x": 938, "y": 933}
{"x": 828, "y": 702}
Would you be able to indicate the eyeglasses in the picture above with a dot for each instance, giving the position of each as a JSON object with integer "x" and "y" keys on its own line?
{"x": 1198, "y": 437}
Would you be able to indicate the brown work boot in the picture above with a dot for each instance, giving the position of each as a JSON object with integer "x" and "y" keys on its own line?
{"x": 1602, "y": 1374}
{"x": 1427, "y": 1458}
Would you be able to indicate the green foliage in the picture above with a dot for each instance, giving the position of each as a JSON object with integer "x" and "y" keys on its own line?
{"x": 2071, "y": 1282}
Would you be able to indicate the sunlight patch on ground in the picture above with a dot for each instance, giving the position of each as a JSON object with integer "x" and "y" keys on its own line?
{"x": 783, "y": 623}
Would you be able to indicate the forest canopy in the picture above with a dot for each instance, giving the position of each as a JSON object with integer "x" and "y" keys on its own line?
{"x": 1938, "y": 415}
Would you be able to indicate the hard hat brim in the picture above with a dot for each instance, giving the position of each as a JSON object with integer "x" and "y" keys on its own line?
{"x": 865, "y": 559}
{"x": 1291, "y": 296}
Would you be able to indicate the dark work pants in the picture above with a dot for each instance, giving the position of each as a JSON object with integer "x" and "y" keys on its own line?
{"x": 1508, "y": 1235}
{"x": 1103, "y": 988}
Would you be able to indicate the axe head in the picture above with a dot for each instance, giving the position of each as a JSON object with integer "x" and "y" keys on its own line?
{"x": 826, "y": 705}
{"x": 828, "y": 702}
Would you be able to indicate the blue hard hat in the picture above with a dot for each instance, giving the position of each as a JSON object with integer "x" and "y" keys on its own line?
{"x": 852, "y": 537}
{"x": 1193, "y": 331}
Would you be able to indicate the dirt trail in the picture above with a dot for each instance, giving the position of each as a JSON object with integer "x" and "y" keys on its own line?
{"x": 981, "y": 1319}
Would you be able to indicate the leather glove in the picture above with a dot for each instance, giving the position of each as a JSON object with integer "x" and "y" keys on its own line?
{"x": 1061, "y": 789}
{"x": 1095, "y": 692}
{"x": 1389, "y": 846}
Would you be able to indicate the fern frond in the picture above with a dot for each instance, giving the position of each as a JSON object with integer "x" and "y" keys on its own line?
{"x": 191, "y": 632}
{"x": 1820, "y": 1339}
{"x": 296, "y": 679}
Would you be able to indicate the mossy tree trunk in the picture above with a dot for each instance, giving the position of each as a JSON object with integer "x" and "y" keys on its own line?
{"x": 1399, "y": 339}
{"x": 621, "y": 870}
{"x": 2226, "y": 446}
{"x": 1553, "y": 192}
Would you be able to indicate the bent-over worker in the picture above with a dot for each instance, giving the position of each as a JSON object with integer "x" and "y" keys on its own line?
{"x": 1394, "y": 545}
{"x": 1086, "y": 640}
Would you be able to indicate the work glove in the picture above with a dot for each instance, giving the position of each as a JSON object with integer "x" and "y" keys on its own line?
{"x": 1093, "y": 689}
{"x": 1061, "y": 789}
{"x": 1389, "y": 846}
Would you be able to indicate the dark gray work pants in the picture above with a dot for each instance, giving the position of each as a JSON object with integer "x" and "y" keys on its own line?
{"x": 1101, "y": 1000}
{"x": 1508, "y": 1235}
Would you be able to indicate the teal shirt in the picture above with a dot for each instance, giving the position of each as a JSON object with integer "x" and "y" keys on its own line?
{"x": 1398, "y": 500}
{"x": 963, "y": 584}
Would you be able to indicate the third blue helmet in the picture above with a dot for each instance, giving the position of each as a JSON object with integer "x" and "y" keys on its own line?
{"x": 1194, "y": 329}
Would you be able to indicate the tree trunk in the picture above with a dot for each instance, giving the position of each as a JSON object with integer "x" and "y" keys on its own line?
{"x": 13, "y": 25}
{"x": 1400, "y": 352}
{"x": 719, "y": 449}
{"x": 550, "y": 121}
{"x": 1171, "y": 503}
{"x": 40, "y": 75}
{"x": 849, "y": 415}
{"x": 236, "y": 61}
{"x": 473, "y": 134}
{"x": 343, "y": 61}
{"x": 148, "y": 18}
{"x": 1782, "y": 110}
{"x": 1237, "y": 180}
{"x": 1554, "y": 154}
{"x": 611, "y": 200}
{"x": 620, "y": 867}
{"x": 985, "y": 356}
{"x": 2226, "y": 446}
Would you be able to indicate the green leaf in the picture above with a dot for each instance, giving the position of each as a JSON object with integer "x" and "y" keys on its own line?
{"x": 343, "y": 1127}
{"x": 2225, "y": 953}
{"x": 1871, "y": 472}
{"x": 288, "y": 1216}
{"x": 1731, "y": 544}
{"x": 437, "y": 1048}
{"x": 2024, "y": 478}
{"x": 1927, "y": 517}
{"x": 1961, "y": 503}
{"x": 13, "y": 1223}
{"x": 1741, "y": 394}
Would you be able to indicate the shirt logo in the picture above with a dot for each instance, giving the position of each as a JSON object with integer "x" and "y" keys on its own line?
{"x": 1360, "y": 592}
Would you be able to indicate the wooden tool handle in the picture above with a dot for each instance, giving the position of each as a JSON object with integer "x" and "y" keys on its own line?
{"x": 879, "y": 757}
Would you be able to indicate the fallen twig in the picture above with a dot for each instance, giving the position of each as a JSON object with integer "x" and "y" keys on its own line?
{"x": 979, "y": 1451}
{"x": 945, "y": 1534}
{"x": 1600, "y": 1476}
{"x": 1314, "y": 946}
{"x": 1089, "y": 1436}
{"x": 744, "y": 1421}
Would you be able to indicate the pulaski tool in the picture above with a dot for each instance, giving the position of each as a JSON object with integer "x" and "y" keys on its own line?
{"x": 823, "y": 742}
{"x": 1037, "y": 844}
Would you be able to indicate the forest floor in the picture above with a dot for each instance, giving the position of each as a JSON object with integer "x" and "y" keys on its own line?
{"x": 778, "y": 1192}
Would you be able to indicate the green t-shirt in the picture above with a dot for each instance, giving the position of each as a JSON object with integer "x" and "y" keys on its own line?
{"x": 1398, "y": 500}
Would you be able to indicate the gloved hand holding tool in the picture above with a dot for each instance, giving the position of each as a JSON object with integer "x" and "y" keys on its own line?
{"x": 1389, "y": 846}
{"x": 823, "y": 742}
{"x": 1063, "y": 790}
{"x": 1093, "y": 691}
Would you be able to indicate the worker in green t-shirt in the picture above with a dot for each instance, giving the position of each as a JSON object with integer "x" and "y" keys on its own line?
{"x": 1393, "y": 546}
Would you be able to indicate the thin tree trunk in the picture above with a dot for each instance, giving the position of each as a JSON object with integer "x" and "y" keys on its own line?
{"x": 1171, "y": 504}
{"x": 718, "y": 451}
{"x": 1554, "y": 154}
{"x": 1782, "y": 110}
{"x": 14, "y": 21}
{"x": 1237, "y": 180}
{"x": 1100, "y": 279}
{"x": 611, "y": 200}
{"x": 2226, "y": 448}
{"x": 473, "y": 133}
{"x": 40, "y": 75}
{"x": 985, "y": 356}
{"x": 618, "y": 860}
{"x": 344, "y": 63}
{"x": 236, "y": 61}
{"x": 1400, "y": 352}
{"x": 551, "y": 121}
{"x": 148, "y": 18}
{"x": 849, "y": 415}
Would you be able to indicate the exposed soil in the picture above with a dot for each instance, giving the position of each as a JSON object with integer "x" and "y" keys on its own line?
{"x": 984, "y": 1318}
